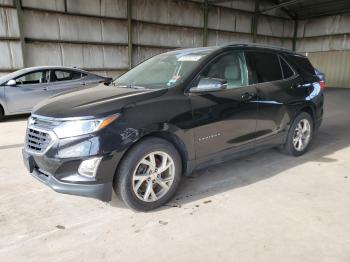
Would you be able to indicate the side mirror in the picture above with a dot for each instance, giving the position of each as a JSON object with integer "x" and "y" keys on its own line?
{"x": 209, "y": 85}
{"x": 11, "y": 82}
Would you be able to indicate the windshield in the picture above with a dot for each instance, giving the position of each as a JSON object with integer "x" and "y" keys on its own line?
{"x": 165, "y": 70}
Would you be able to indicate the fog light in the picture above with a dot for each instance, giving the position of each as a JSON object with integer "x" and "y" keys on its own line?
{"x": 88, "y": 168}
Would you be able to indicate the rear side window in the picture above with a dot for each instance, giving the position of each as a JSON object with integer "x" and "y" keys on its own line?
{"x": 303, "y": 63}
{"x": 267, "y": 66}
{"x": 65, "y": 75}
{"x": 287, "y": 71}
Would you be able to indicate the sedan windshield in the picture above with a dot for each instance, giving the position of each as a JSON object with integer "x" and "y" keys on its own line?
{"x": 163, "y": 71}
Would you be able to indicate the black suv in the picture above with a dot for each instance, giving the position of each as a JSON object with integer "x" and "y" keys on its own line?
{"x": 174, "y": 113}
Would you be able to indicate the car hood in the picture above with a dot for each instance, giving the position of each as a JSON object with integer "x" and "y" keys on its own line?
{"x": 93, "y": 102}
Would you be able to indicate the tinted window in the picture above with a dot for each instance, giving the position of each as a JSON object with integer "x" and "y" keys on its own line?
{"x": 231, "y": 67}
{"x": 32, "y": 78}
{"x": 303, "y": 63}
{"x": 266, "y": 65}
{"x": 65, "y": 75}
{"x": 287, "y": 71}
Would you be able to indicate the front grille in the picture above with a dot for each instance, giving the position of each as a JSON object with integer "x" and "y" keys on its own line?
{"x": 37, "y": 141}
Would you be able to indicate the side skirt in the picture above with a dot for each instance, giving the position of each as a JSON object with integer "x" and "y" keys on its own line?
{"x": 235, "y": 153}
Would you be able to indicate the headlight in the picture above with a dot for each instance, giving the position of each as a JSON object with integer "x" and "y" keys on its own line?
{"x": 72, "y": 128}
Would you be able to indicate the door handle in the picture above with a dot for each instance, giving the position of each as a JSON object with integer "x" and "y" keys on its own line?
{"x": 44, "y": 88}
{"x": 83, "y": 84}
{"x": 248, "y": 96}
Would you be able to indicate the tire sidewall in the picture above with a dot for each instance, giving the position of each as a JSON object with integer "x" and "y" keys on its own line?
{"x": 124, "y": 187}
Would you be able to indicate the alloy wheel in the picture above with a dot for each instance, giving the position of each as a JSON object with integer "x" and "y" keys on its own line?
{"x": 302, "y": 135}
{"x": 153, "y": 176}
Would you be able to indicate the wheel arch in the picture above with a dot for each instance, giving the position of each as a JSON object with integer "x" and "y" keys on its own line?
{"x": 176, "y": 142}
{"x": 169, "y": 137}
{"x": 311, "y": 110}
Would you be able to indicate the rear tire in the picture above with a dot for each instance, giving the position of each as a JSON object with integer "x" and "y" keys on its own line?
{"x": 149, "y": 175}
{"x": 299, "y": 136}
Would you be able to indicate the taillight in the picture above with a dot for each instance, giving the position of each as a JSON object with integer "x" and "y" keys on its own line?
{"x": 322, "y": 84}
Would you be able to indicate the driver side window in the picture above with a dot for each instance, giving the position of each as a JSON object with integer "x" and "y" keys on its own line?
{"x": 32, "y": 78}
{"x": 231, "y": 67}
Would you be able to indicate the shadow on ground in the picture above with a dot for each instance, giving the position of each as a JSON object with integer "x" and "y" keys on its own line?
{"x": 15, "y": 118}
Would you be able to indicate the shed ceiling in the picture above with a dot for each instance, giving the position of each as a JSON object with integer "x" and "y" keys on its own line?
{"x": 303, "y": 9}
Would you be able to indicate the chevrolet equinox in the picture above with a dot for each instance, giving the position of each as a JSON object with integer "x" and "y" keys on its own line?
{"x": 174, "y": 113}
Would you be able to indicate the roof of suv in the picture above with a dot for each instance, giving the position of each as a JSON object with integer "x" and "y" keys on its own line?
{"x": 262, "y": 46}
{"x": 243, "y": 45}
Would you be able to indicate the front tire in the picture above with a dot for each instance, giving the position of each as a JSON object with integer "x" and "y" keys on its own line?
{"x": 149, "y": 174}
{"x": 300, "y": 135}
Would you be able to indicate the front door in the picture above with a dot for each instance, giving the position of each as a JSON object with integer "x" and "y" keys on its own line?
{"x": 224, "y": 119}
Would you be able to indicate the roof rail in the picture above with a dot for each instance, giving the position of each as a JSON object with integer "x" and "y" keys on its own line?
{"x": 259, "y": 45}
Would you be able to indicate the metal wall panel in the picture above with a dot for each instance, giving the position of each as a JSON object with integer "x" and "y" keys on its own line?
{"x": 324, "y": 43}
{"x": 160, "y": 35}
{"x": 8, "y": 22}
{"x": 168, "y": 12}
{"x": 11, "y": 55}
{"x": 142, "y": 53}
{"x": 335, "y": 64}
{"x": 43, "y": 25}
{"x": 219, "y": 38}
{"x": 6, "y": 2}
{"x": 324, "y": 34}
{"x": 275, "y": 27}
{"x": 56, "y": 5}
{"x": 101, "y": 42}
{"x": 339, "y": 24}
{"x": 246, "y": 5}
{"x": 285, "y": 43}
{"x": 224, "y": 19}
{"x": 85, "y": 56}
{"x": 110, "y": 8}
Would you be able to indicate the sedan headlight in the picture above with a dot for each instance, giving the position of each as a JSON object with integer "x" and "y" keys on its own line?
{"x": 72, "y": 128}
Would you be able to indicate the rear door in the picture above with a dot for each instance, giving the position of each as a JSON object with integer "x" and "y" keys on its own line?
{"x": 62, "y": 80}
{"x": 276, "y": 91}
{"x": 29, "y": 90}
{"x": 224, "y": 119}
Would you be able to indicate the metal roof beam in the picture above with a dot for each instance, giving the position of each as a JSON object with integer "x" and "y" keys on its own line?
{"x": 285, "y": 4}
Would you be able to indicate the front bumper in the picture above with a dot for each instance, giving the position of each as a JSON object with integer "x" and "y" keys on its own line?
{"x": 66, "y": 180}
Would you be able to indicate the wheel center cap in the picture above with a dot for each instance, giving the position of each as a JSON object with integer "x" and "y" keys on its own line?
{"x": 153, "y": 176}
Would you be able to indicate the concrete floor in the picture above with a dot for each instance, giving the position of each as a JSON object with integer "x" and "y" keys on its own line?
{"x": 265, "y": 207}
